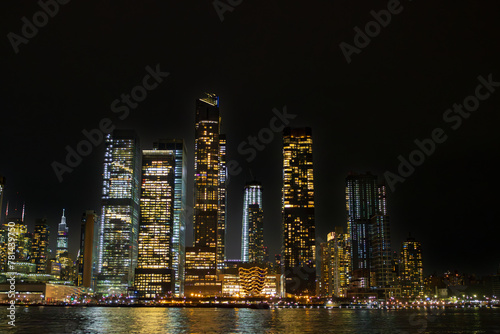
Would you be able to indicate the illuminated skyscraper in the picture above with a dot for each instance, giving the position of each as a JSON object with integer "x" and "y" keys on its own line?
{"x": 256, "y": 249}
{"x": 252, "y": 196}
{"x": 209, "y": 195}
{"x": 340, "y": 262}
{"x": 221, "y": 222}
{"x": 381, "y": 262}
{"x": 62, "y": 238}
{"x": 368, "y": 226}
{"x": 179, "y": 233}
{"x": 87, "y": 259}
{"x": 40, "y": 245}
{"x": 412, "y": 274}
{"x": 120, "y": 213}
{"x": 154, "y": 275}
{"x": 299, "y": 234}
{"x": 361, "y": 204}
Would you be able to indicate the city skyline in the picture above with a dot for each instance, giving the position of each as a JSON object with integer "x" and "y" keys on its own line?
{"x": 74, "y": 247}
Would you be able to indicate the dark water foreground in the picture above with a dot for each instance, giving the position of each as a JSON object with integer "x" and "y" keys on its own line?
{"x": 41, "y": 320}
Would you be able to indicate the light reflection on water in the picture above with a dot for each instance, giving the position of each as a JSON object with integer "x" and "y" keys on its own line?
{"x": 43, "y": 320}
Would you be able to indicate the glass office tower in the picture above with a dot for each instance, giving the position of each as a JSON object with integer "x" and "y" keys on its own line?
{"x": 299, "y": 234}
{"x": 120, "y": 213}
{"x": 154, "y": 276}
{"x": 209, "y": 199}
{"x": 252, "y": 196}
{"x": 368, "y": 226}
{"x": 178, "y": 148}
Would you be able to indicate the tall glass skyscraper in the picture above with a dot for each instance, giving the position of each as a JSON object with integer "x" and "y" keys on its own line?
{"x": 368, "y": 226}
{"x": 209, "y": 199}
{"x": 120, "y": 213}
{"x": 252, "y": 196}
{"x": 62, "y": 237}
{"x": 299, "y": 229}
{"x": 154, "y": 276}
{"x": 179, "y": 232}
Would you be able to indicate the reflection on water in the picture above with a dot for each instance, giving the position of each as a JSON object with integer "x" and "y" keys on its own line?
{"x": 211, "y": 320}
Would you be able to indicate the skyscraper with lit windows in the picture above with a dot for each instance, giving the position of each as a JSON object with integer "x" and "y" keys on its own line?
{"x": 209, "y": 200}
{"x": 178, "y": 149}
{"x": 368, "y": 227}
{"x": 381, "y": 254}
{"x": 299, "y": 229}
{"x": 411, "y": 269}
{"x": 120, "y": 213}
{"x": 252, "y": 197}
{"x": 154, "y": 275}
{"x": 40, "y": 245}
{"x": 221, "y": 221}
{"x": 62, "y": 237}
{"x": 256, "y": 249}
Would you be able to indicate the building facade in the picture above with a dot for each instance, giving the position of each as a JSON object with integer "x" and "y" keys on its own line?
{"x": 40, "y": 246}
{"x": 209, "y": 199}
{"x": 369, "y": 230}
{"x": 411, "y": 268}
{"x": 119, "y": 225}
{"x": 178, "y": 149}
{"x": 299, "y": 229}
{"x": 154, "y": 275}
{"x": 252, "y": 197}
{"x": 62, "y": 238}
{"x": 87, "y": 258}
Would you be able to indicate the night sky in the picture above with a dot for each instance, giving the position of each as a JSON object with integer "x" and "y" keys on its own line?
{"x": 265, "y": 55}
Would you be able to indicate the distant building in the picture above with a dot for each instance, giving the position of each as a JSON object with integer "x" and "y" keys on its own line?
{"x": 40, "y": 245}
{"x": 335, "y": 264}
{"x": 62, "y": 237}
{"x": 256, "y": 249}
{"x": 119, "y": 224}
{"x": 87, "y": 259}
{"x": 412, "y": 280}
{"x": 299, "y": 229}
{"x": 22, "y": 240}
{"x": 252, "y": 197}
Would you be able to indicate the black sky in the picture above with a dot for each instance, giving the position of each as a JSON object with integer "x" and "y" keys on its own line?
{"x": 265, "y": 55}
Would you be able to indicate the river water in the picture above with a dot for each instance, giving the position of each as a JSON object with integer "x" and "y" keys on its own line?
{"x": 41, "y": 320}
